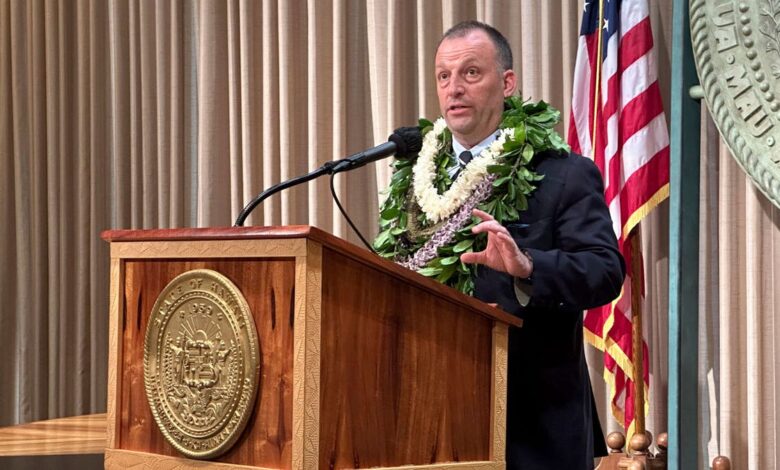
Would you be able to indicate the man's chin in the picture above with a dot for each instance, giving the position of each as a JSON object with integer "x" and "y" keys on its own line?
{"x": 458, "y": 126}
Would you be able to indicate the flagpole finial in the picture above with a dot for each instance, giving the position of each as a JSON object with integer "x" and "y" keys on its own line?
{"x": 615, "y": 442}
{"x": 663, "y": 441}
{"x": 640, "y": 443}
{"x": 721, "y": 463}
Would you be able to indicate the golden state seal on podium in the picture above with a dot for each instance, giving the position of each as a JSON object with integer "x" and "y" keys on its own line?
{"x": 201, "y": 363}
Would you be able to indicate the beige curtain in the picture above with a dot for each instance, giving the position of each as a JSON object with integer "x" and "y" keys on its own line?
{"x": 138, "y": 114}
{"x": 739, "y": 359}
{"x": 54, "y": 181}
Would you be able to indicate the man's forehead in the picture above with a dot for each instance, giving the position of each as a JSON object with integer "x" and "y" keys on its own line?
{"x": 470, "y": 47}
{"x": 459, "y": 58}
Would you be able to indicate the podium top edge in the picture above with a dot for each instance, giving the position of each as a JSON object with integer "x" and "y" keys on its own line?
{"x": 212, "y": 233}
{"x": 317, "y": 235}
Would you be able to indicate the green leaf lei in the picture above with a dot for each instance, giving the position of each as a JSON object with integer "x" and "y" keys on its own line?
{"x": 404, "y": 227}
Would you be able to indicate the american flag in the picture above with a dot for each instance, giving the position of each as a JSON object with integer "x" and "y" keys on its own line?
{"x": 618, "y": 120}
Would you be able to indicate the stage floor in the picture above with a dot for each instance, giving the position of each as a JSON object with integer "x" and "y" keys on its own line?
{"x": 75, "y": 435}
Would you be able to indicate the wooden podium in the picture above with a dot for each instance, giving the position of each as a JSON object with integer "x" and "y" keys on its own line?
{"x": 363, "y": 363}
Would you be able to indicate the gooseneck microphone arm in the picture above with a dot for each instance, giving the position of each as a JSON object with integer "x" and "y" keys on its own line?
{"x": 325, "y": 169}
{"x": 404, "y": 142}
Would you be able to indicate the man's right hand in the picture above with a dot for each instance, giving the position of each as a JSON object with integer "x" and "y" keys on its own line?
{"x": 501, "y": 253}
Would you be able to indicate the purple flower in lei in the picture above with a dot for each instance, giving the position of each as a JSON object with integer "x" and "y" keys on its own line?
{"x": 446, "y": 233}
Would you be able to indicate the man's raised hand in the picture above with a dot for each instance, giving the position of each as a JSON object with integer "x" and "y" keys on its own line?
{"x": 501, "y": 252}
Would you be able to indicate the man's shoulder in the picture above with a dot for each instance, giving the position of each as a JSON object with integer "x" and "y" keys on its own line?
{"x": 561, "y": 157}
{"x": 562, "y": 162}
{"x": 569, "y": 173}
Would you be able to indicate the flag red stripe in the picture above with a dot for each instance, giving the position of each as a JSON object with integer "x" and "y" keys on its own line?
{"x": 634, "y": 117}
{"x": 638, "y": 112}
{"x": 613, "y": 101}
{"x": 637, "y": 42}
{"x": 653, "y": 176}
{"x": 574, "y": 140}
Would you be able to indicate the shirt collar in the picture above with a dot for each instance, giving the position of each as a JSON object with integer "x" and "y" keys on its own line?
{"x": 459, "y": 148}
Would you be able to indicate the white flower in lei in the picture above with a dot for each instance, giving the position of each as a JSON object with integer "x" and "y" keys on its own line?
{"x": 437, "y": 206}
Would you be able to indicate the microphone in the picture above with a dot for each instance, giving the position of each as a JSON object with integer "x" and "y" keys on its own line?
{"x": 404, "y": 142}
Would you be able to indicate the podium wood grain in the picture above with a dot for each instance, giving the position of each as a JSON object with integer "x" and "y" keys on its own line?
{"x": 404, "y": 381}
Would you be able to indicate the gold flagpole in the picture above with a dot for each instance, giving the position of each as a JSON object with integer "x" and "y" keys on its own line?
{"x": 597, "y": 91}
{"x": 636, "y": 332}
{"x": 636, "y": 274}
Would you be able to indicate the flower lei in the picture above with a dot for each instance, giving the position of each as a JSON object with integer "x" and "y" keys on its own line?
{"x": 426, "y": 221}
{"x": 440, "y": 206}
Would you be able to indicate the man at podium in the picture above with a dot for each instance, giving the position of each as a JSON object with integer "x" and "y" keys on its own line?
{"x": 549, "y": 251}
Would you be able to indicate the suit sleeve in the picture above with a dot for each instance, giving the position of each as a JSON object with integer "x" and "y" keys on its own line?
{"x": 584, "y": 269}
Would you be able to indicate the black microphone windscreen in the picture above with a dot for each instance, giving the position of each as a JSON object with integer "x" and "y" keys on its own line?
{"x": 408, "y": 140}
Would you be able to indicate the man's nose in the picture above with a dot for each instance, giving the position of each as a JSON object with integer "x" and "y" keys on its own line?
{"x": 457, "y": 87}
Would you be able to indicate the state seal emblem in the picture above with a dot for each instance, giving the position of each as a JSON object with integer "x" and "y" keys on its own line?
{"x": 201, "y": 363}
{"x": 736, "y": 45}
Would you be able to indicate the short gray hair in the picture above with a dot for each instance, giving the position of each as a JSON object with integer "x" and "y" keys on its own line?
{"x": 503, "y": 50}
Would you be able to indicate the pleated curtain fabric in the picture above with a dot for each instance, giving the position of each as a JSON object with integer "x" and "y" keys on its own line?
{"x": 739, "y": 325}
{"x": 175, "y": 113}
{"x": 55, "y": 187}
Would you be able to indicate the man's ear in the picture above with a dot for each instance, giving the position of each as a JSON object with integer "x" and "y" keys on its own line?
{"x": 510, "y": 82}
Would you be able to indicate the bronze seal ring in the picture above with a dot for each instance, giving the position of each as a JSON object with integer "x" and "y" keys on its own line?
{"x": 736, "y": 46}
{"x": 201, "y": 363}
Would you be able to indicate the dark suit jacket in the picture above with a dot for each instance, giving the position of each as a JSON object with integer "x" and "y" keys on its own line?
{"x": 551, "y": 417}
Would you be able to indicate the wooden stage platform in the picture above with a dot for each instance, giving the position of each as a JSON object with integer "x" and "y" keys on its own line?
{"x": 75, "y": 435}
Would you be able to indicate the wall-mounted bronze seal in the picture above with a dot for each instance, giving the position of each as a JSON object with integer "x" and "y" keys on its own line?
{"x": 736, "y": 45}
{"x": 201, "y": 363}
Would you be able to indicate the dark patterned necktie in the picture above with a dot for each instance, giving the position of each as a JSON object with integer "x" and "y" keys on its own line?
{"x": 463, "y": 160}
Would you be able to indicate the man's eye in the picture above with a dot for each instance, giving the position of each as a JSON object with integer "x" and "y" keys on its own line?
{"x": 472, "y": 71}
{"x": 443, "y": 76}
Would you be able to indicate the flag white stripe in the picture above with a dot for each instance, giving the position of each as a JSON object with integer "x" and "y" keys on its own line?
{"x": 640, "y": 147}
{"x": 631, "y": 14}
{"x": 581, "y": 104}
{"x": 614, "y": 212}
{"x": 637, "y": 78}
{"x": 612, "y": 146}
{"x": 609, "y": 67}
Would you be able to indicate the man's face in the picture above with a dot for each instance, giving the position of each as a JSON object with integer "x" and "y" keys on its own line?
{"x": 471, "y": 86}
